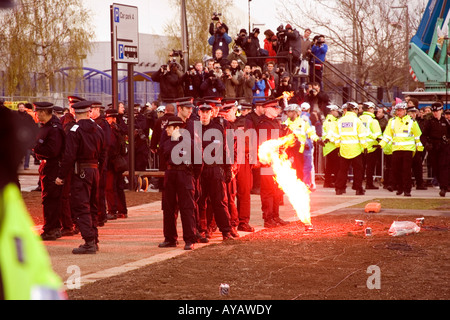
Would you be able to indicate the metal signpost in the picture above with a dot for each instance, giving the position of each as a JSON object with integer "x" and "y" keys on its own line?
{"x": 125, "y": 49}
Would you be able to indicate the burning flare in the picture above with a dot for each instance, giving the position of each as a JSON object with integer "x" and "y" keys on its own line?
{"x": 272, "y": 152}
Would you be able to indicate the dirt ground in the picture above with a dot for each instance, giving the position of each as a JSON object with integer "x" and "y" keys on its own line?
{"x": 333, "y": 261}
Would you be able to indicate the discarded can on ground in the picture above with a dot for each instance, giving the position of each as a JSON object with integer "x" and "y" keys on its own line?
{"x": 224, "y": 289}
{"x": 419, "y": 221}
{"x": 359, "y": 223}
{"x": 368, "y": 232}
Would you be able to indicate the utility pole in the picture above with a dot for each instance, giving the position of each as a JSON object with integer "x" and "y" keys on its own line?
{"x": 249, "y": 30}
{"x": 184, "y": 35}
{"x": 406, "y": 84}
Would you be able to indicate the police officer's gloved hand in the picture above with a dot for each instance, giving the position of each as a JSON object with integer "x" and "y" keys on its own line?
{"x": 429, "y": 147}
{"x": 321, "y": 142}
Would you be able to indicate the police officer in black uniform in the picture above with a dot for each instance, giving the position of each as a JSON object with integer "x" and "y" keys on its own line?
{"x": 252, "y": 120}
{"x": 436, "y": 136}
{"x": 271, "y": 195}
{"x": 179, "y": 185}
{"x": 215, "y": 174}
{"x": 67, "y": 121}
{"x": 49, "y": 149}
{"x": 117, "y": 164}
{"x": 225, "y": 118}
{"x": 244, "y": 178}
{"x": 84, "y": 155}
{"x": 96, "y": 114}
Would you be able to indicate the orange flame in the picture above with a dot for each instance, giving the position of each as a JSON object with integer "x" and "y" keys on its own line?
{"x": 272, "y": 152}
{"x": 286, "y": 95}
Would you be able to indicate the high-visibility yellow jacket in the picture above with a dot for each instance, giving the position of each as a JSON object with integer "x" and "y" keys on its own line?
{"x": 329, "y": 133}
{"x": 302, "y": 130}
{"x": 404, "y": 134}
{"x": 351, "y": 136}
{"x": 373, "y": 130}
{"x": 25, "y": 268}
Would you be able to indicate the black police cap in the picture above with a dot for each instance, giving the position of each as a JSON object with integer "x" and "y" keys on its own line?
{"x": 271, "y": 103}
{"x": 246, "y": 105}
{"x": 97, "y": 104}
{"x": 82, "y": 106}
{"x": 175, "y": 121}
{"x": 436, "y": 106}
{"x": 59, "y": 110}
{"x": 75, "y": 99}
{"x": 228, "y": 103}
{"x": 111, "y": 113}
{"x": 43, "y": 105}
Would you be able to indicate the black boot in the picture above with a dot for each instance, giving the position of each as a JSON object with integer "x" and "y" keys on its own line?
{"x": 88, "y": 247}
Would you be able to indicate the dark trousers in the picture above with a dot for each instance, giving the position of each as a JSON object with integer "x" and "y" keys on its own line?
{"x": 440, "y": 161}
{"x": 51, "y": 198}
{"x": 102, "y": 196}
{"x": 331, "y": 167}
{"x": 370, "y": 163}
{"x": 179, "y": 193}
{"x": 344, "y": 165}
{"x": 232, "y": 208}
{"x": 387, "y": 171}
{"x": 115, "y": 195}
{"x": 83, "y": 202}
{"x": 244, "y": 181}
{"x": 213, "y": 187}
{"x": 270, "y": 197}
{"x": 256, "y": 176}
{"x": 66, "y": 213}
{"x": 417, "y": 168}
{"x": 401, "y": 170}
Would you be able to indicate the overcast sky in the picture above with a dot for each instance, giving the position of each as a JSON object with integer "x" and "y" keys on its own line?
{"x": 154, "y": 14}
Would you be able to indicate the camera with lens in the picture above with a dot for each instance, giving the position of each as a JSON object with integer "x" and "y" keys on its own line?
{"x": 281, "y": 29}
{"x": 281, "y": 37}
{"x": 215, "y": 16}
{"x": 176, "y": 53}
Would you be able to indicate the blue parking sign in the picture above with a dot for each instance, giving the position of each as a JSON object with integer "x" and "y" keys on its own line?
{"x": 116, "y": 14}
{"x": 120, "y": 51}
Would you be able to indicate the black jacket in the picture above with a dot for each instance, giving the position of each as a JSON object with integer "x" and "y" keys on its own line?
{"x": 170, "y": 84}
{"x": 50, "y": 146}
{"x": 85, "y": 143}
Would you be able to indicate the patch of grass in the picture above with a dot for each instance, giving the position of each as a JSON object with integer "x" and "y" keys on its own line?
{"x": 410, "y": 204}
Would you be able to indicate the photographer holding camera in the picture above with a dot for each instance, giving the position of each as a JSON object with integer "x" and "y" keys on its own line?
{"x": 318, "y": 100}
{"x": 192, "y": 80}
{"x": 252, "y": 48}
{"x": 241, "y": 38}
{"x": 319, "y": 49}
{"x": 290, "y": 44}
{"x": 248, "y": 81}
{"x": 238, "y": 55}
{"x": 231, "y": 82}
{"x": 169, "y": 77}
{"x": 213, "y": 85}
{"x": 219, "y": 37}
{"x": 259, "y": 87}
